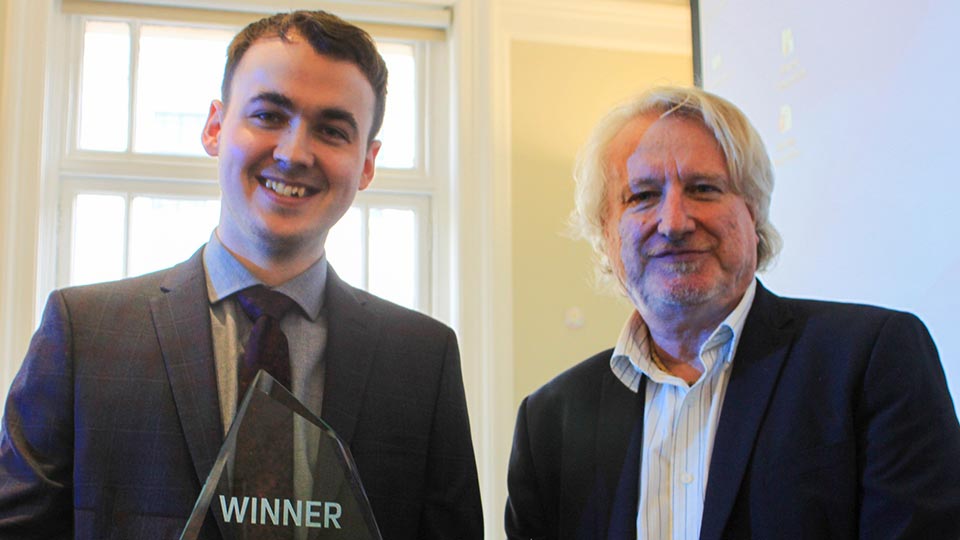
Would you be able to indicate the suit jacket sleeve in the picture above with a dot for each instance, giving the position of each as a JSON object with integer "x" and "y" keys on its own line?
{"x": 573, "y": 468}
{"x": 451, "y": 490}
{"x": 909, "y": 438}
{"x": 36, "y": 445}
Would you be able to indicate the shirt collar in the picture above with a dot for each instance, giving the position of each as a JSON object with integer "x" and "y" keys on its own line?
{"x": 634, "y": 341}
{"x": 733, "y": 324}
{"x": 226, "y": 276}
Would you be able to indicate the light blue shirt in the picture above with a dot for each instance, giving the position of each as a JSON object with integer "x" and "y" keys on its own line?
{"x": 306, "y": 328}
{"x": 679, "y": 423}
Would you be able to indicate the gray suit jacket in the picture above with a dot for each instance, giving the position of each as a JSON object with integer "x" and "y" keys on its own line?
{"x": 113, "y": 422}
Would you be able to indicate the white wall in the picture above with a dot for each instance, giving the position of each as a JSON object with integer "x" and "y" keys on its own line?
{"x": 856, "y": 102}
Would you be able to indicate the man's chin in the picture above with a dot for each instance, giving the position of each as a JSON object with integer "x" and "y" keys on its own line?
{"x": 684, "y": 296}
{"x": 287, "y": 242}
{"x": 677, "y": 293}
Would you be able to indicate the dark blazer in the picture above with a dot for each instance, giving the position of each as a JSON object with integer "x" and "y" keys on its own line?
{"x": 837, "y": 423}
{"x": 113, "y": 422}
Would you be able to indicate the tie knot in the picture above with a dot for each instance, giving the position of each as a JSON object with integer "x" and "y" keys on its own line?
{"x": 258, "y": 300}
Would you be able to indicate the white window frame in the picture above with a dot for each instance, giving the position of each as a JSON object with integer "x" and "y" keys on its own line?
{"x": 472, "y": 209}
{"x": 73, "y": 185}
{"x": 421, "y": 188}
{"x": 420, "y": 204}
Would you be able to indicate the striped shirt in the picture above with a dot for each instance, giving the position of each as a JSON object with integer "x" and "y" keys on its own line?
{"x": 679, "y": 424}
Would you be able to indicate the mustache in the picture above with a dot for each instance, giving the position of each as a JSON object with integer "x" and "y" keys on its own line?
{"x": 662, "y": 249}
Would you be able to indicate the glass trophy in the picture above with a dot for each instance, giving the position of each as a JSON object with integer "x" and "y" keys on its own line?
{"x": 281, "y": 473}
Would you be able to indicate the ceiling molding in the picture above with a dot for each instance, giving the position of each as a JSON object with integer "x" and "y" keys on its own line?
{"x": 612, "y": 24}
{"x": 428, "y": 13}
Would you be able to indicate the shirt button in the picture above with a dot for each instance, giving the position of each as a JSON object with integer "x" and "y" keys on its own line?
{"x": 686, "y": 478}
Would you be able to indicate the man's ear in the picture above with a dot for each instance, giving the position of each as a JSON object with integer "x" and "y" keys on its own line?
{"x": 211, "y": 130}
{"x": 369, "y": 164}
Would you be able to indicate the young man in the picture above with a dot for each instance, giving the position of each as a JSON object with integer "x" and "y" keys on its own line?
{"x": 725, "y": 411}
{"x": 120, "y": 408}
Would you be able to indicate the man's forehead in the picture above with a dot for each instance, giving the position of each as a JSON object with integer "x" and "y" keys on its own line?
{"x": 254, "y": 59}
{"x": 630, "y": 135}
{"x": 291, "y": 61}
{"x": 270, "y": 49}
{"x": 271, "y": 45}
{"x": 654, "y": 130}
{"x": 626, "y": 141}
{"x": 654, "y": 135}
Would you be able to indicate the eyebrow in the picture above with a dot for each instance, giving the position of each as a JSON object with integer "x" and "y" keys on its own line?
{"x": 692, "y": 177}
{"x": 330, "y": 113}
{"x": 342, "y": 115}
{"x": 276, "y": 98}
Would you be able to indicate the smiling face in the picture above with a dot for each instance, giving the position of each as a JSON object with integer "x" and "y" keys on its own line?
{"x": 292, "y": 148}
{"x": 676, "y": 233}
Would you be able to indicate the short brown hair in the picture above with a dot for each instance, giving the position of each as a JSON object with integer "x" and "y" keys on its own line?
{"x": 330, "y": 36}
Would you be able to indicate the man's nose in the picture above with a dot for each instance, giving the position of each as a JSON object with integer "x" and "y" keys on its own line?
{"x": 674, "y": 217}
{"x": 294, "y": 147}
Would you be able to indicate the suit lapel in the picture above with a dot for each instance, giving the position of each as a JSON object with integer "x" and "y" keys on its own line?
{"x": 756, "y": 369}
{"x": 352, "y": 333}
{"x": 618, "y": 450}
{"x": 181, "y": 317}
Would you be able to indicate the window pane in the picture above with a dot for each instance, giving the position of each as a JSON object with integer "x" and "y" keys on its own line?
{"x": 105, "y": 86}
{"x": 345, "y": 247}
{"x": 393, "y": 255}
{"x": 399, "y": 132}
{"x": 164, "y": 232}
{"x": 179, "y": 73}
{"x": 98, "y": 231}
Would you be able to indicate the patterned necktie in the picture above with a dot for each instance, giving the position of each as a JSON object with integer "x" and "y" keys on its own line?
{"x": 267, "y": 347}
{"x": 264, "y": 463}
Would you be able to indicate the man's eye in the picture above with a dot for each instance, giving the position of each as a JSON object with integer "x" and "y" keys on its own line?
{"x": 641, "y": 197}
{"x": 705, "y": 189}
{"x": 334, "y": 133}
{"x": 268, "y": 117}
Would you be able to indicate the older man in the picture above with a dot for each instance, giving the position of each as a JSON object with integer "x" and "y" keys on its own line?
{"x": 725, "y": 411}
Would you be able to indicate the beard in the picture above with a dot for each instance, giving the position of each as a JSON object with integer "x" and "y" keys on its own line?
{"x": 673, "y": 285}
